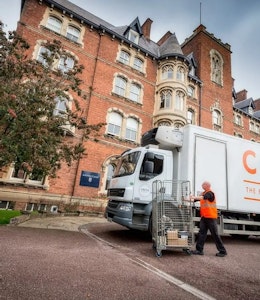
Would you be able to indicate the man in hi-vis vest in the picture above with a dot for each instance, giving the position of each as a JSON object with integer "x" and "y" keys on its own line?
{"x": 208, "y": 221}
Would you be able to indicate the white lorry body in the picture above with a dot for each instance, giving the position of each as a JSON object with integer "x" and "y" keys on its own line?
{"x": 196, "y": 154}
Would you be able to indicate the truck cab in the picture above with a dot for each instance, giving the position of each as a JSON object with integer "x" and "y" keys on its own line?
{"x": 130, "y": 190}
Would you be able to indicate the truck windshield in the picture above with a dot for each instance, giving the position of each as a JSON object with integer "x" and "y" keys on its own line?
{"x": 127, "y": 164}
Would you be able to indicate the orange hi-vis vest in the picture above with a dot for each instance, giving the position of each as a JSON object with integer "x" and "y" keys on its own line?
{"x": 208, "y": 209}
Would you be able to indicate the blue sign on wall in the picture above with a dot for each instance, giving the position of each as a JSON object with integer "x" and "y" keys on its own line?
{"x": 89, "y": 179}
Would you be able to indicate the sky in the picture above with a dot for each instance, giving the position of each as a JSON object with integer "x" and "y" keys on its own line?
{"x": 236, "y": 22}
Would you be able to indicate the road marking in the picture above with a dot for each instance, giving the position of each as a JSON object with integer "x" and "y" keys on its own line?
{"x": 192, "y": 290}
{"x": 188, "y": 288}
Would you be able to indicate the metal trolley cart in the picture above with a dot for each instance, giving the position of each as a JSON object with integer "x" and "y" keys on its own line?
{"x": 172, "y": 226}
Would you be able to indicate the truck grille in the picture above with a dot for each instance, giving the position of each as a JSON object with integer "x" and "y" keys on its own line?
{"x": 112, "y": 204}
{"x": 116, "y": 192}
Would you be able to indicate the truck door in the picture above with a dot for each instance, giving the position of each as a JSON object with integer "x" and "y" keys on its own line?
{"x": 152, "y": 168}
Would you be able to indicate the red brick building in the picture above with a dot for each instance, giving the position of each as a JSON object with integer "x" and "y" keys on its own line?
{"x": 132, "y": 84}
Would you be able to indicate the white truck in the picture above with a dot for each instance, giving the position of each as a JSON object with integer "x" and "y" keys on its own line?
{"x": 195, "y": 154}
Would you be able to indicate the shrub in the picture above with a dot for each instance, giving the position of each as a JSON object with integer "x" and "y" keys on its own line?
{"x": 6, "y": 215}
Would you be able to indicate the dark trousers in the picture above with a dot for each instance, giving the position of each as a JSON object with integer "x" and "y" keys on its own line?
{"x": 211, "y": 225}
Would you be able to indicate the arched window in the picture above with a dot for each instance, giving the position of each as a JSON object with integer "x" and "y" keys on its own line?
{"x": 43, "y": 55}
{"x": 166, "y": 99}
{"x": 216, "y": 67}
{"x": 61, "y": 106}
{"x": 135, "y": 92}
{"x": 191, "y": 91}
{"x": 66, "y": 64}
{"x": 73, "y": 33}
{"x": 179, "y": 100}
{"x": 180, "y": 74}
{"x": 167, "y": 72}
{"x": 138, "y": 64}
{"x": 54, "y": 24}
{"x": 124, "y": 57}
{"x": 120, "y": 87}
{"x": 238, "y": 120}
{"x": 114, "y": 124}
{"x": 131, "y": 129}
{"x": 216, "y": 119}
{"x": 164, "y": 123}
{"x": 190, "y": 116}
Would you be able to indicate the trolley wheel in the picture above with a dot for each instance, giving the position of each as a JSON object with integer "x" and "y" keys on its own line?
{"x": 187, "y": 251}
{"x": 158, "y": 253}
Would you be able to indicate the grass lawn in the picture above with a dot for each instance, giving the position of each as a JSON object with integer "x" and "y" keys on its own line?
{"x": 6, "y": 215}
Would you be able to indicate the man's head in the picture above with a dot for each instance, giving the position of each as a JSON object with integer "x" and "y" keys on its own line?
{"x": 206, "y": 185}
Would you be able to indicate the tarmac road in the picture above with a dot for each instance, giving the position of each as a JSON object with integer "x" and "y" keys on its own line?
{"x": 107, "y": 261}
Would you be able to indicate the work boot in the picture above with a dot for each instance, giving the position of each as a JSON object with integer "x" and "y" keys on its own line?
{"x": 197, "y": 252}
{"x": 221, "y": 254}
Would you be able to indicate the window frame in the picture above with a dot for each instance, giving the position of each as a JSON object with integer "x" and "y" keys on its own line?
{"x": 52, "y": 27}
{"x": 166, "y": 99}
{"x": 72, "y": 37}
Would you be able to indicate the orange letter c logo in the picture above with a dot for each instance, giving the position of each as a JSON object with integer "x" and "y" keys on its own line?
{"x": 246, "y": 154}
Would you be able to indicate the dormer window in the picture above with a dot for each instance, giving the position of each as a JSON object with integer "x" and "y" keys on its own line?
{"x": 250, "y": 110}
{"x": 133, "y": 36}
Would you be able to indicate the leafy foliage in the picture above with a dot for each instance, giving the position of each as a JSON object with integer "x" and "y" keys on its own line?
{"x": 31, "y": 133}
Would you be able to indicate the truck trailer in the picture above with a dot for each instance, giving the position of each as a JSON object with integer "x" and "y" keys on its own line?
{"x": 194, "y": 154}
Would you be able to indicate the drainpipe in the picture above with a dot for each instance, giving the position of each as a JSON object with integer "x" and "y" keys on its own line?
{"x": 200, "y": 101}
{"x": 87, "y": 111}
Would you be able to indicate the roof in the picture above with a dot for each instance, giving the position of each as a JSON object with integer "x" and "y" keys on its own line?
{"x": 169, "y": 48}
{"x": 244, "y": 104}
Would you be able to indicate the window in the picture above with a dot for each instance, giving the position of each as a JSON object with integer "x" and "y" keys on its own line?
{"x": 135, "y": 91}
{"x": 250, "y": 110}
{"x": 167, "y": 72}
{"x": 133, "y": 36}
{"x": 54, "y": 24}
{"x": 179, "y": 100}
{"x": 191, "y": 91}
{"x": 73, "y": 33}
{"x": 216, "y": 67}
{"x": 124, "y": 57}
{"x": 120, "y": 87}
{"x": 19, "y": 173}
{"x": 7, "y": 204}
{"x": 190, "y": 116}
{"x": 164, "y": 123}
{"x": 61, "y": 106}
{"x": 152, "y": 166}
{"x": 216, "y": 119}
{"x": 131, "y": 129}
{"x": 138, "y": 64}
{"x": 251, "y": 126}
{"x": 238, "y": 120}
{"x": 166, "y": 99}
{"x": 114, "y": 123}
{"x": 180, "y": 73}
{"x": 257, "y": 128}
{"x": 43, "y": 55}
{"x": 65, "y": 65}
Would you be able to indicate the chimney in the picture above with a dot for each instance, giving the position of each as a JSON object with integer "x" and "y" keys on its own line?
{"x": 164, "y": 38}
{"x": 241, "y": 95}
{"x": 146, "y": 28}
{"x": 257, "y": 104}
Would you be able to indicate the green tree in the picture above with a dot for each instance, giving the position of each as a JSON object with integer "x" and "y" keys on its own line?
{"x": 34, "y": 109}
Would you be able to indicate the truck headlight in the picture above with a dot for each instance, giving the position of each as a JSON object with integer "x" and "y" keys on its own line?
{"x": 125, "y": 207}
